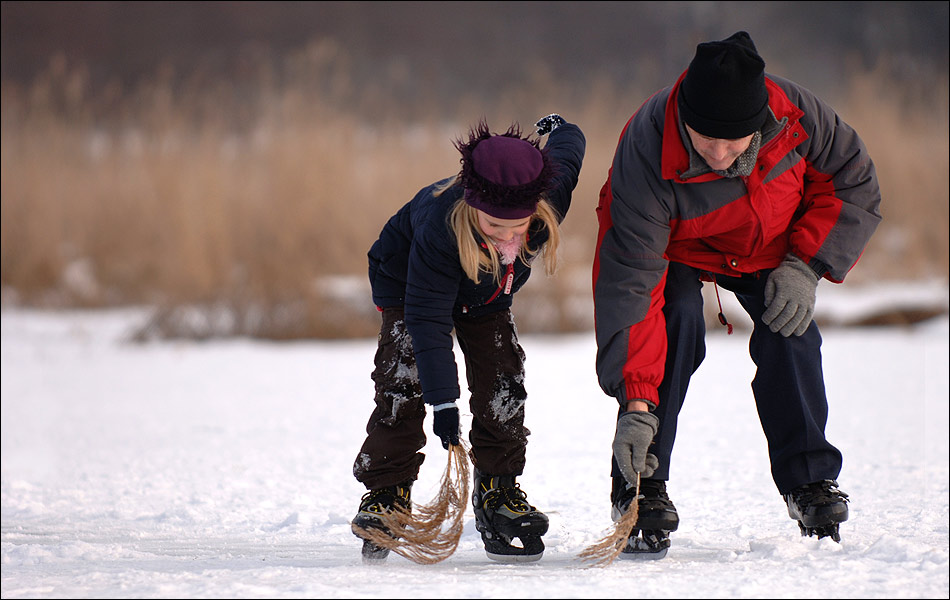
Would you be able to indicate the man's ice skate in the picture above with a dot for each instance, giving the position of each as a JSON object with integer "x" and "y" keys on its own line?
{"x": 502, "y": 514}
{"x": 374, "y": 504}
{"x": 657, "y": 517}
{"x": 819, "y": 508}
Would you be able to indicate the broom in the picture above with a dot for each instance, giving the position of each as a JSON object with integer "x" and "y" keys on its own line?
{"x": 603, "y": 552}
{"x": 430, "y": 533}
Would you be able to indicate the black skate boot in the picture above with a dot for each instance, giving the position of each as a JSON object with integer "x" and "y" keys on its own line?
{"x": 657, "y": 517}
{"x": 503, "y": 513}
{"x": 819, "y": 508}
{"x": 373, "y": 504}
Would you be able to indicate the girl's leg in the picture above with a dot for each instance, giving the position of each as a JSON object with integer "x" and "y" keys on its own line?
{"x": 390, "y": 455}
{"x": 494, "y": 362}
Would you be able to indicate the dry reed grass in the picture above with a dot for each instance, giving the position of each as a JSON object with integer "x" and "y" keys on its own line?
{"x": 607, "y": 549}
{"x": 906, "y": 132}
{"x": 234, "y": 207}
{"x": 430, "y": 533}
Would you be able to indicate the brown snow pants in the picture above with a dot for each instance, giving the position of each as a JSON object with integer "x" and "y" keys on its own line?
{"x": 494, "y": 364}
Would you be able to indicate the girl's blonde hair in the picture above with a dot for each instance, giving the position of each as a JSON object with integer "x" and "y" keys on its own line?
{"x": 464, "y": 223}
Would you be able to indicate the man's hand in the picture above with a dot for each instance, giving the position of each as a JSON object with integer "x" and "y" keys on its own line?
{"x": 635, "y": 431}
{"x": 445, "y": 423}
{"x": 790, "y": 297}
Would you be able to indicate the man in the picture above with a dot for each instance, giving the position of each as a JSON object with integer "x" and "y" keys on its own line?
{"x": 754, "y": 184}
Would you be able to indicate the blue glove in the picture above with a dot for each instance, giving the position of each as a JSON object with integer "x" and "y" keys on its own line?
{"x": 549, "y": 123}
{"x": 790, "y": 297}
{"x": 445, "y": 423}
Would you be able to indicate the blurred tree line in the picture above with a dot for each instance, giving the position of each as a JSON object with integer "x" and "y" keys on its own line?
{"x": 444, "y": 49}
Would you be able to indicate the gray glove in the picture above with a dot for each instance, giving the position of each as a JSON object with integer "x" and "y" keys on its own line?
{"x": 549, "y": 123}
{"x": 635, "y": 431}
{"x": 790, "y": 297}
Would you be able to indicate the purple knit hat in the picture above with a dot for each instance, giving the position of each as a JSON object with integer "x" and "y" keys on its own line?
{"x": 505, "y": 174}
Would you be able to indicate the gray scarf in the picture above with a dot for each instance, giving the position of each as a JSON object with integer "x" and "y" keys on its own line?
{"x": 744, "y": 164}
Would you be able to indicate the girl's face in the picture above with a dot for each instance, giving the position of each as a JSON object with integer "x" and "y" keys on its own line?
{"x": 718, "y": 153}
{"x": 502, "y": 230}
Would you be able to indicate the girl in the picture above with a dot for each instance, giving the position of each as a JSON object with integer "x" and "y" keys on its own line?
{"x": 452, "y": 258}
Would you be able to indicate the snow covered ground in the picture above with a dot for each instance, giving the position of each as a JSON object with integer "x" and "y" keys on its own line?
{"x": 223, "y": 469}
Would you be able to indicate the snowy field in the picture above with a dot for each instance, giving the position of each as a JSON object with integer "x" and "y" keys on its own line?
{"x": 223, "y": 469}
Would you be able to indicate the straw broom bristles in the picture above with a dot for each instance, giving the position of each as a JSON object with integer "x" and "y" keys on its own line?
{"x": 603, "y": 552}
{"x": 430, "y": 533}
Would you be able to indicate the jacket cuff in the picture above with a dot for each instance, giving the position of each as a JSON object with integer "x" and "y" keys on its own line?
{"x": 820, "y": 268}
{"x": 623, "y": 404}
{"x": 638, "y": 391}
{"x": 437, "y": 397}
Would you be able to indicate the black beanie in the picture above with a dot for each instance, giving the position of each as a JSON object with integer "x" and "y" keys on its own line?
{"x": 723, "y": 94}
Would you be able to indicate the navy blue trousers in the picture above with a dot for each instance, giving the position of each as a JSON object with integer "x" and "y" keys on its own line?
{"x": 788, "y": 387}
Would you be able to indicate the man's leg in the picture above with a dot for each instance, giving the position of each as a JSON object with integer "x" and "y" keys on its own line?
{"x": 685, "y": 331}
{"x": 789, "y": 390}
{"x": 686, "y": 349}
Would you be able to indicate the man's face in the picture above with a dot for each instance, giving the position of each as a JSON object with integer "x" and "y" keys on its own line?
{"x": 718, "y": 153}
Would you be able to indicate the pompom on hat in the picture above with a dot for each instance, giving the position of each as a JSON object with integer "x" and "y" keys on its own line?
{"x": 723, "y": 94}
{"x": 504, "y": 175}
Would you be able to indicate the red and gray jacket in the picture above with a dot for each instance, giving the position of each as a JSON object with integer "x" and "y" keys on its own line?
{"x": 813, "y": 192}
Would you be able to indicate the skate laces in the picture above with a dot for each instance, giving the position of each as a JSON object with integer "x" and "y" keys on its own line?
{"x": 384, "y": 500}
{"x": 653, "y": 488}
{"x": 626, "y": 498}
{"x": 818, "y": 493}
{"x": 653, "y": 494}
{"x": 513, "y": 496}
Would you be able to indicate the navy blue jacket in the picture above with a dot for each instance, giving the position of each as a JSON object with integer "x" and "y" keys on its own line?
{"x": 415, "y": 264}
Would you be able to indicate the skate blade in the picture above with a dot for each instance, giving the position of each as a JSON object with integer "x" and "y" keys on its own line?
{"x": 514, "y": 558}
{"x": 646, "y": 545}
{"x": 373, "y": 554}
{"x": 643, "y": 554}
{"x": 820, "y": 532}
{"x": 501, "y": 549}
